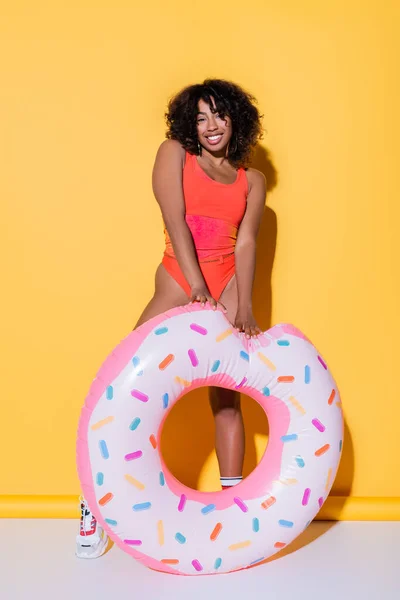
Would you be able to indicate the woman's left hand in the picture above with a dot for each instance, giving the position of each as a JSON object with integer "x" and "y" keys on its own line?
{"x": 245, "y": 322}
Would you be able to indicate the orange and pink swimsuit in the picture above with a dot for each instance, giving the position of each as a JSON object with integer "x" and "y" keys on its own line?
{"x": 214, "y": 212}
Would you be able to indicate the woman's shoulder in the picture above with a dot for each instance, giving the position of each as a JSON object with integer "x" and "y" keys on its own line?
{"x": 255, "y": 178}
{"x": 172, "y": 148}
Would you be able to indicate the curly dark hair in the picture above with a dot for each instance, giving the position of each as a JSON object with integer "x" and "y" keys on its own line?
{"x": 230, "y": 99}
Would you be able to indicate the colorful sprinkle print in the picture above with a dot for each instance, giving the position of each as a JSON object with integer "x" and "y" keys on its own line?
{"x": 207, "y": 509}
{"x": 135, "y": 424}
{"x": 134, "y": 455}
{"x": 193, "y": 357}
{"x": 291, "y": 437}
{"x": 215, "y": 532}
{"x": 139, "y": 395}
{"x": 166, "y": 362}
{"x": 198, "y": 329}
{"x": 182, "y": 503}
{"x": 153, "y": 514}
{"x": 215, "y": 366}
{"x": 142, "y": 506}
{"x": 161, "y": 331}
{"x": 103, "y": 449}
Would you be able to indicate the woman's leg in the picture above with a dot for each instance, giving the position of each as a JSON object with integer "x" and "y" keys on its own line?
{"x": 225, "y": 404}
{"x": 168, "y": 294}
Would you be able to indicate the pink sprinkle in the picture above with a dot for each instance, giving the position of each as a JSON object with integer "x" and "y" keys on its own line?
{"x": 139, "y": 395}
{"x": 198, "y": 329}
{"x": 182, "y": 503}
{"x": 241, "y": 384}
{"x": 320, "y": 501}
{"x": 193, "y": 358}
{"x": 318, "y": 425}
{"x": 241, "y": 504}
{"x": 306, "y": 496}
{"x": 322, "y": 363}
{"x": 133, "y": 542}
{"x": 133, "y": 455}
{"x": 197, "y": 565}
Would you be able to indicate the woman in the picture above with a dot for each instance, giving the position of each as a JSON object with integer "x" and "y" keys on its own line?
{"x": 212, "y": 209}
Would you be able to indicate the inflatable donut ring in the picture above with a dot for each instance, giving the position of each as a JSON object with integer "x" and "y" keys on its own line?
{"x": 151, "y": 515}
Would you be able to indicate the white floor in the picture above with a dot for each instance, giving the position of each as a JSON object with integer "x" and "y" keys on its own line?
{"x": 330, "y": 561}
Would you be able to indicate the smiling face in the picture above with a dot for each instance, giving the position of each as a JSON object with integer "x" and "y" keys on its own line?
{"x": 214, "y": 132}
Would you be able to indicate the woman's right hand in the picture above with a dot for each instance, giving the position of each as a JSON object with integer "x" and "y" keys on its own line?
{"x": 201, "y": 294}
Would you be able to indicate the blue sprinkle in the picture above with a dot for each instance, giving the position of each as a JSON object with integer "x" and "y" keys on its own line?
{"x": 307, "y": 374}
{"x": 180, "y": 538}
{"x": 161, "y": 330}
{"x": 218, "y": 563}
{"x": 256, "y": 525}
{"x": 284, "y": 523}
{"x": 142, "y": 506}
{"x": 257, "y": 561}
{"x": 135, "y": 424}
{"x": 289, "y": 438}
{"x": 103, "y": 449}
{"x": 162, "y": 478}
{"x": 109, "y": 392}
{"x": 340, "y": 445}
{"x": 300, "y": 462}
{"x": 111, "y": 522}
{"x": 215, "y": 366}
{"x": 283, "y": 343}
{"x": 100, "y": 478}
{"x": 135, "y": 361}
{"x": 165, "y": 399}
{"x": 244, "y": 355}
{"x": 307, "y": 524}
{"x": 207, "y": 509}
{"x": 266, "y": 391}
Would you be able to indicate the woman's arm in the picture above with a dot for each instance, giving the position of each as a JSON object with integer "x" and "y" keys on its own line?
{"x": 245, "y": 252}
{"x": 168, "y": 190}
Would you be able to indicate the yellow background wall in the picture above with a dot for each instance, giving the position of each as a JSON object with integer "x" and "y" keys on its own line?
{"x": 83, "y": 92}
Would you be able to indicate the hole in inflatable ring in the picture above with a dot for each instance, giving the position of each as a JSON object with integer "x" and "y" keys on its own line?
{"x": 188, "y": 445}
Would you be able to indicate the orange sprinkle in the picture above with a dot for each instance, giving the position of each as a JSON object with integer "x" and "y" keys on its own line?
{"x": 322, "y": 450}
{"x": 240, "y": 545}
{"x": 279, "y": 544}
{"x": 286, "y": 379}
{"x": 184, "y": 382}
{"x": 223, "y": 335}
{"x": 105, "y": 499}
{"x": 266, "y": 361}
{"x": 153, "y": 441}
{"x": 170, "y": 561}
{"x": 328, "y": 479}
{"x": 167, "y": 361}
{"x": 216, "y": 531}
{"x": 269, "y": 502}
{"x": 331, "y": 397}
{"x": 101, "y": 423}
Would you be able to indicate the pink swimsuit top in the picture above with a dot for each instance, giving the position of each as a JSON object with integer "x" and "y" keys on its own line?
{"x": 214, "y": 210}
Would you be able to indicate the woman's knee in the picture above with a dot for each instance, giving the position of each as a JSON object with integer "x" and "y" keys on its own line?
{"x": 223, "y": 400}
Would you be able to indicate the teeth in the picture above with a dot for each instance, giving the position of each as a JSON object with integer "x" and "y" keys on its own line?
{"x": 214, "y": 137}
